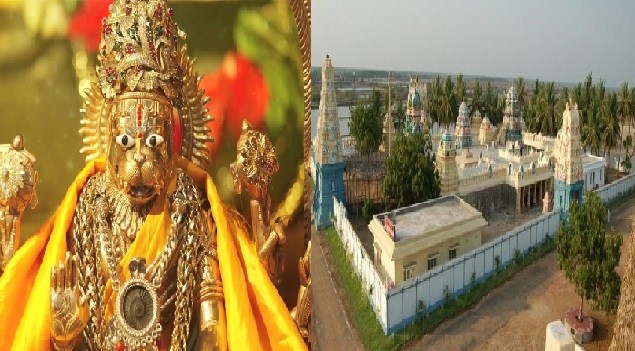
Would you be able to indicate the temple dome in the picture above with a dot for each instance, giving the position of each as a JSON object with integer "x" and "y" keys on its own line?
{"x": 463, "y": 110}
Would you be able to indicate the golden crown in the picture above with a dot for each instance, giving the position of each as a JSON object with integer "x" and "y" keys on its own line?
{"x": 139, "y": 49}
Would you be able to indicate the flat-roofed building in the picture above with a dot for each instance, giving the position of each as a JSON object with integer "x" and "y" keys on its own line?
{"x": 593, "y": 170}
{"x": 411, "y": 240}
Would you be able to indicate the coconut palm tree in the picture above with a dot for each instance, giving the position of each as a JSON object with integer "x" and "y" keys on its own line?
{"x": 624, "y": 107}
{"x": 591, "y": 132}
{"x": 611, "y": 132}
{"x": 632, "y": 114}
{"x": 459, "y": 91}
{"x": 477, "y": 96}
{"x": 520, "y": 83}
{"x": 489, "y": 101}
{"x": 449, "y": 101}
{"x": 545, "y": 109}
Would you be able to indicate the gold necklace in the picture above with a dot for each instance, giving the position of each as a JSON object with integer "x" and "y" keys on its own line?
{"x": 137, "y": 307}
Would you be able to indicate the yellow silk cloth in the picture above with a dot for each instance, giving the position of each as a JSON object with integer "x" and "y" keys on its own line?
{"x": 256, "y": 316}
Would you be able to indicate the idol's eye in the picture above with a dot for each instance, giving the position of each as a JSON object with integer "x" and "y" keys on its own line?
{"x": 124, "y": 140}
{"x": 154, "y": 140}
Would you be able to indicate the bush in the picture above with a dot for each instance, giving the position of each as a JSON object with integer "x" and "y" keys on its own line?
{"x": 447, "y": 296}
{"x": 421, "y": 306}
{"x": 517, "y": 256}
{"x": 368, "y": 210}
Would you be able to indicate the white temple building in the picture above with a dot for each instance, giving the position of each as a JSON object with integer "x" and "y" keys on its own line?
{"x": 507, "y": 155}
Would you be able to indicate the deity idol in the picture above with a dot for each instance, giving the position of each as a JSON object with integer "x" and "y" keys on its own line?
{"x": 142, "y": 254}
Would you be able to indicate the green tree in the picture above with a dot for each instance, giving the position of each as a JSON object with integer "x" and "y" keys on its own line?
{"x": 435, "y": 94}
{"x": 561, "y": 104}
{"x": 592, "y": 134}
{"x": 632, "y": 114}
{"x": 489, "y": 101}
{"x": 367, "y": 124}
{"x": 520, "y": 84}
{"x": 477, "y": 95}
{"x": 546, "y": 109}
{"x": 497, "y": 114}
{"x": 459, "y": 91}
{"x": 611, "y": 131}
{"x": 399, "y": 117}
{"x": 588, "y": 253}
{"x": 627, "y": 142}
{"x": 448, "y": 102}
{"x": 411, "y": 176}
{"x": 625, "y": 110}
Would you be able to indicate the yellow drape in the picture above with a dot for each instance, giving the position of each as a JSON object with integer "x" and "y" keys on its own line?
{"x": 256, "y": 316}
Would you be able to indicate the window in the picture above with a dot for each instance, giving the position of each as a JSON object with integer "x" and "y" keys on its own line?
{"x": 432, "y": 262}
{"x": 408, "y": 270}
{"x": 452, "y": 253}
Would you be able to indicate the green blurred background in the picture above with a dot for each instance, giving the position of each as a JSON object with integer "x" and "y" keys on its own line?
{"x": 39, "y": 94}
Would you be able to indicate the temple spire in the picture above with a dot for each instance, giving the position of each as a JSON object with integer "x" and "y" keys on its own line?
{"x": 327, "y": 145}
{"x": 329, "y": 165}
{"x": 568, "y": 178}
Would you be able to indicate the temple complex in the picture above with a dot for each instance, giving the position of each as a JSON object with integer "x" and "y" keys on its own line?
{"x": 490, "y": 167}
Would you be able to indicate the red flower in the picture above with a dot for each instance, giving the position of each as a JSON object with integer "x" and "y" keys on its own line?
{"x": 86, "y": 22}
{"x": 237, "y": 91}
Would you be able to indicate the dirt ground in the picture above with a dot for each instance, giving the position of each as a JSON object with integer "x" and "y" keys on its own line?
{"x": 504, "y": 221}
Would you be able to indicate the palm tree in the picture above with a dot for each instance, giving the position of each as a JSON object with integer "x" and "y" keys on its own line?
{"x": 436, "y": 94}
{"x": 625, "y": 110}
{"x": 545, "y": 109}
{"x": 477, "y": 94}
{"x": 489, "y": 101}
{"x": 459, "y": 91}
{"x": 449, "y": 101}
{"x": 632, "y": 114}
{"x": 520, "y": 83}
{"x": 592, "y": 129}
{"x": 611, "y": 132}
{"x": 561, "y": 104}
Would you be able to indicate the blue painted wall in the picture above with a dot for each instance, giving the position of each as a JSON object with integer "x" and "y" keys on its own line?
{"x": 565, "y": 193}
{"x": 329, "y": 183}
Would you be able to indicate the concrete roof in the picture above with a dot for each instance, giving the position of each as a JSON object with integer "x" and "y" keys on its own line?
{"x": 430, "y": 216}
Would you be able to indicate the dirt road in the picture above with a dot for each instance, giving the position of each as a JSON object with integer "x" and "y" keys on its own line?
{"x": 332, "y": 329}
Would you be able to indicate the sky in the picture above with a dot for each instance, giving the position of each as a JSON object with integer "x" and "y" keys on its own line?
{"x": 560, "y": 40}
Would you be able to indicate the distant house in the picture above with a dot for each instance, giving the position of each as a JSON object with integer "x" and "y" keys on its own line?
{"x": 412, "y": 240}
